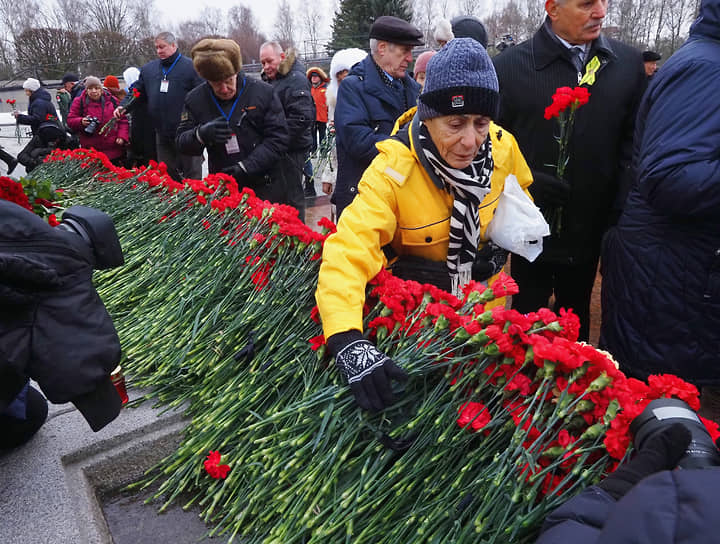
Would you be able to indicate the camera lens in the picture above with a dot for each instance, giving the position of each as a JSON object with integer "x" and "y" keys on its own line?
{"x": 660, "y": 414}
{"x": 90, "y": 129}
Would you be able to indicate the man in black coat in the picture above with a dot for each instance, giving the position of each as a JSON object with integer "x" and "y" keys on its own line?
{"x": 163, "y": 84}
{"x": 238, "y": 119}
{"x": 287, "y": 76}
{"x": 597, "y": 176}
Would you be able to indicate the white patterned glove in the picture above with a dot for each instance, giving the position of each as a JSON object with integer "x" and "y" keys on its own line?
{"x": 367, "y": 370}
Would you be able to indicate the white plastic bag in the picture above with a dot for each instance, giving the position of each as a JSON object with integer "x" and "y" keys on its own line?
{"x": 518, "y": 225}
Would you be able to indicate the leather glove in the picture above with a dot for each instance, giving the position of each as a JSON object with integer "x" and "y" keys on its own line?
{"x": 661, "y": 452}
{"x": 214, "y": 132}
{"x": 549, "y": 191}
{"x": 489, "y": 260}
{"x": 367, "y": 370}
{"x": 237, "y": 172}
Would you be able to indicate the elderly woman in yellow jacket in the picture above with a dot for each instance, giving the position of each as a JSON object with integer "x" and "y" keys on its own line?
{"x": 426, "y": 201}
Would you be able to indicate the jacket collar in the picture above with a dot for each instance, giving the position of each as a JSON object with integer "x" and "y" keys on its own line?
{"x": 375, "y": 86}
{"x": 547, "y": 48}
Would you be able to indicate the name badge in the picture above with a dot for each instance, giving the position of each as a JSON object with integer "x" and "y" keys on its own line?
{"x": 164, "y": 84}
{"x": 231, "y": 146}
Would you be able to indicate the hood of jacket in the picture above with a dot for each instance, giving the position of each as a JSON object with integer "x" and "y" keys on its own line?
{"x": 41, "y": 94}
{"x": 707, "y": 25}
{"x": 290, "y": 63}
{"x": 320, "y": 72}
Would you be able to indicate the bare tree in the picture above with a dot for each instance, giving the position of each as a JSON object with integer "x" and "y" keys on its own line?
{"x": 425, "y": 15}
{"x": 312, "y": 18}
{"x": 243, "y": 28}
{"x": 47, "y": 52}
{"x": 20, "y": 16}
{"x": 285, "y": 25}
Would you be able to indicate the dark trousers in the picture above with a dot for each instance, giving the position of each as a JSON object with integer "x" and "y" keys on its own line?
{"x": 571, "y": 284}
{"x": 179, "y": 166}
{"x": 6, "y": 157}
{"x": 15, "y": 430}
{"x": 293, "y": 174}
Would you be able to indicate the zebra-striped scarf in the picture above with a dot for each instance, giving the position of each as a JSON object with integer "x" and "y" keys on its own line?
{"x": 468, "y": 187}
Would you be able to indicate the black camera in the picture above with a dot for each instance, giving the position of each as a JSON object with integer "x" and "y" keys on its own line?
{"x": 660, "y": 414}
{"x": 98, "y": 231}
{"x": 92, "y": 127}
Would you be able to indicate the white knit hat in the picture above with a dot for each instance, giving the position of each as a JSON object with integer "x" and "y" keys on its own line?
{"x": 31, "y": 84}
{"x": 342, "y": 60}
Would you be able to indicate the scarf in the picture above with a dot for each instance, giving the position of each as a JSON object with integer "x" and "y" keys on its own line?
{"x": 468, "y": 187}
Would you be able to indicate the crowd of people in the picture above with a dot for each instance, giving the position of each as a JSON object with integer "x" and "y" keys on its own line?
{"x": 418, "y": 161}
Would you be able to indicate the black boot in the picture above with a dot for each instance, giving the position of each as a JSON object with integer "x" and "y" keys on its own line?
{"x": 9, "y": 159}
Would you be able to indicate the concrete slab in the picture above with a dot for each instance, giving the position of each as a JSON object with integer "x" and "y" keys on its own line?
{"x": 49, "y": 486}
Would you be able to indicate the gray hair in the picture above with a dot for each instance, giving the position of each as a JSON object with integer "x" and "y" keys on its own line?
{"x": 373, "y": 46}
{"x": 275, "y": 46}
{"x": 167, "y": 37}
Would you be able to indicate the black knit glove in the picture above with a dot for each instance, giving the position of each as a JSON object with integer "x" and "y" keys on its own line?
{"x": 549, "y": 191}
{"x": 214, "y": 132}
{"x": 661, "y": 452}
{"x": 367, "y": 370}
{"x": 489, "y": 260}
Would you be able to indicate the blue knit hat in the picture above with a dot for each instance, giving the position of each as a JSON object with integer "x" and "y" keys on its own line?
{"x": 460, "y": 78}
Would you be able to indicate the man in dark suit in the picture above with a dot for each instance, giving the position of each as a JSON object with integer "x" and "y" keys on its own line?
{"x": 597, "y": 176}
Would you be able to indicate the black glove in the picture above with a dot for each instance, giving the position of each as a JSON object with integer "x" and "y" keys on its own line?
{"x": 367, "y": 370}
{"x": 489, "y": 261}
{"x": 549, "y": 191}
{"x": 213, "y": 132}
{"x": 661, "y": 452}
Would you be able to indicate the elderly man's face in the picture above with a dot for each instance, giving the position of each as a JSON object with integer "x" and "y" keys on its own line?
{"x": 270, "y": 60}
{"x": 577, "y": 21}
{"x": 458, "y": 137}
{"x": 164, "y": 49}
{"x": 651, "y": 67}
{"x": 394, "y": 58}
{"x": 225, "y": 88}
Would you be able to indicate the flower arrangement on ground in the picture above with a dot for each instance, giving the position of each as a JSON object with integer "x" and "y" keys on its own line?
{"x": 503, "y": 418}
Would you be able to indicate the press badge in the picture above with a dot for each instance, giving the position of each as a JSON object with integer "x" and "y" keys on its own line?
{"x": 231, "y": 146}
{"x": 164, "y": 84}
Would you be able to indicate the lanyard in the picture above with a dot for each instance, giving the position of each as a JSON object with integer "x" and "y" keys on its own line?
{"x": 229, "y": 115}
{"x": 166, "y": 72}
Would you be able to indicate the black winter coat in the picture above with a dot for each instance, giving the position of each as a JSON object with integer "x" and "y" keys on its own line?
{"x": 661, "y": 264}
{"x": 260, "y": 128}
{"x": 41, "y": 105}
{"x": 601, "y": 145}
{"x": 670, "y": 507}
{"x": 293, "y": 90}
{"x": 53, "y": 326}
{"x": 164, "y": 109}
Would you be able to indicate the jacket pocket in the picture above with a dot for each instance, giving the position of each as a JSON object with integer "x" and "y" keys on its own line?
{"x": 426, "y": 236}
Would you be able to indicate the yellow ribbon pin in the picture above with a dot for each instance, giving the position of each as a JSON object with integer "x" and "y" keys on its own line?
{"x": 590, "y": 70}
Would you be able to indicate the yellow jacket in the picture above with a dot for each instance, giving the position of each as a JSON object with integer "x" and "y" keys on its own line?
{"x": 398, "y": 203}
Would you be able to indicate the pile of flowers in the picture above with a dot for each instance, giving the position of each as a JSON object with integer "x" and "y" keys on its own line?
{"x": 504, "y": 416}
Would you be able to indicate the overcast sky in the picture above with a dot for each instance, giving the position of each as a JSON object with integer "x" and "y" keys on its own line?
{"x": 264, "y": 10}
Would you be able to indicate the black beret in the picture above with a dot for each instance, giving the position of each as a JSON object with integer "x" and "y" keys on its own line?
{"x": 395, "y": 30}
{"x": 67, "y": 78}
{"x": 466, "y": 26}
{"x": 649, "y": 56}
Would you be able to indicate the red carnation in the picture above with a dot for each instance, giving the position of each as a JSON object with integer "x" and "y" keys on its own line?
{"x": 213, "y": 466}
